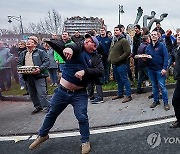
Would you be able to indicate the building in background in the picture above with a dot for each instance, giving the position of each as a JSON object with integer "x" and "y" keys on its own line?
{"x": 82, "y": 24}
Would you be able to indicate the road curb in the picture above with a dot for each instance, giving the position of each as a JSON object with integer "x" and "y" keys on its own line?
{"x": 94, "y": 127}
{"x": 105, "y": 94}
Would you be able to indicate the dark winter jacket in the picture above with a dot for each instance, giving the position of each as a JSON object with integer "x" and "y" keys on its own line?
{"x": 119, "y": 51}
{"x": 81, "y": 60}
{"x": 77, "y": 39}
{"x": 141, "y": 50}
{"x": 136, "y": 43}
{"x": 176, "y": 59}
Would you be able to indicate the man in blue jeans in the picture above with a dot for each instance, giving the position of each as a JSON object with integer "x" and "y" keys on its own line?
{"x": 83, "y": 65}
{"x": 119, "y": 53}
{"x": 157, "y": 68}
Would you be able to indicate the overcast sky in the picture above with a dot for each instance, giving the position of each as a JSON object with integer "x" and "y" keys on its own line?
{"x": 34, "y": 10}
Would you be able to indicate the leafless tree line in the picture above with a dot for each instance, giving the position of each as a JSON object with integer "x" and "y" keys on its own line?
{"x": 52, "y": 23}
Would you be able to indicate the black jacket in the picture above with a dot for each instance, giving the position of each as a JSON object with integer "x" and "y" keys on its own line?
{"x": 136, "y": 43}
{"x": 176, "y": 59}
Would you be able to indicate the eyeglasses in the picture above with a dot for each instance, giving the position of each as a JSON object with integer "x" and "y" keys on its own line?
{"x": 88, "y": 41}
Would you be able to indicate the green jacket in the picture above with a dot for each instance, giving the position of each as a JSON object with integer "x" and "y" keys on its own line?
{"x": 57, "y": 57}
{"x": 119, "y": 51}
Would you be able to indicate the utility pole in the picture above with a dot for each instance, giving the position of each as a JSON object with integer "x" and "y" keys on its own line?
{"x": 18, "y": 19}
{"x": 120, "y": 12}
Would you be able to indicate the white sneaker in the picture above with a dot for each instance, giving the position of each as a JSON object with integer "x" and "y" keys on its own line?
{"x": 55, "y": 85}
{"x": 22, "y": 88}
{"x": 147, "y": 83}
{"x": 51, "y": 84}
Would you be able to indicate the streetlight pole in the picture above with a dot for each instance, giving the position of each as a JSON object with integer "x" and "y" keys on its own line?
{"x": 120, "y": 11}
{"x": 18, "y": 19}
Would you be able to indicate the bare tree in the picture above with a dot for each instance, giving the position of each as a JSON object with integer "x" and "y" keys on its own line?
{"x": 16, "y": 30}
{"x": 32, "y": 28}
{"x": 4, "y": 31}
{"x": 53, "y": 23}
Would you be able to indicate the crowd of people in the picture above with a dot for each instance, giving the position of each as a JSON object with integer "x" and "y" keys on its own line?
{"x": 86, "y": 62}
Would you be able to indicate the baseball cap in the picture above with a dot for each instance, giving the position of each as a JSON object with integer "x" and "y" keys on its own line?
{"x": 95, "y": 40}
{"x": 34, "y": 38}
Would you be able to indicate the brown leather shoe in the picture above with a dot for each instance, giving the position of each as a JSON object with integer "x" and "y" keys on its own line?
{"x": 127, "y": 99}
{"x": 86, "y": 148}
{"x": 117, "y": 97}
{"x": 38, "y": 142}
{"x": 154, "y": 104}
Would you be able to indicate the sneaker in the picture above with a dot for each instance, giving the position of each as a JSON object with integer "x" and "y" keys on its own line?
{"x": 52, "y": 84}
{"x": 45, "y": 109}
{"x": 86, "y": 148}
{"x": 22, "y": 87}
{"x": 55, "y": 85}
{"x": 147, "y": 83}
{"x": 38, "y": 141}
{"x": 117, "y": 97}
{"x": 175, "y": 124}
{"x": 127, "y": 99}
{"x": 154, "y": 104}
{"x": 97, "y": 101}
{"x": 166, "y": 107}
{"x": 37, "y": 110}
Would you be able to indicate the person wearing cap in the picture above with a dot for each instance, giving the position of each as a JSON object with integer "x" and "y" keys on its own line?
{"x": 36, "y": 82}
{"x": 82, "y": 66}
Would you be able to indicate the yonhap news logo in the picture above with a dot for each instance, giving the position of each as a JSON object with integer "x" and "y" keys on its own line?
{"x": 155, "y": 139}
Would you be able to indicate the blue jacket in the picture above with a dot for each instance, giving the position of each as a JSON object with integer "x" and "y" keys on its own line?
{"x": 52, "y": 62}
{"x": 106, "y": 43}
{"x": 159, "y": 55}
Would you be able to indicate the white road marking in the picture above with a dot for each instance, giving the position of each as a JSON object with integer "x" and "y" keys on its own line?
{"x": 98, "y": 131}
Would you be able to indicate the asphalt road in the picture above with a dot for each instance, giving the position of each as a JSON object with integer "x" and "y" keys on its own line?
{"x": 156, "y": 139}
